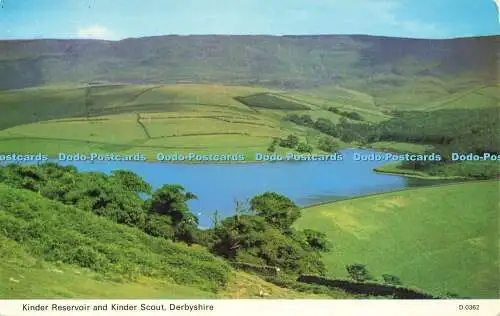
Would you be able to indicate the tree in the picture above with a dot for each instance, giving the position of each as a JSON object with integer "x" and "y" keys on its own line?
{"x": 391, "y": 279}
{"x": 290, "y": 142}
{"x": 358, "y": 272}
{"x": 252, "y": 239}
{"x": 326, "y": 126}
{"x": 272, "y": 147}
{"x": 304, "y": 148}
{"x": 278, "y": 210}
{"x": 171, "y": 200}
{"x": 328, "y": 144}
{"x": 131, "y": 181}
{"x": 317, "y": 240}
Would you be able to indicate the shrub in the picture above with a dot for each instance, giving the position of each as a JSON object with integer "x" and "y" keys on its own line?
{"x": 304, "y": 148}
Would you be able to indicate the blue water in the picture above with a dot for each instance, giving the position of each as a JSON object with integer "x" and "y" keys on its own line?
{"x": 217, "y": 186}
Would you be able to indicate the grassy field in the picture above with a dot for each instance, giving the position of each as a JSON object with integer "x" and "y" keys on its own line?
{"x": 151, "y": 119}
{"x": 462, "y": 170}
{"x": 183, "y": 118}
{"x": 440, "y": 239}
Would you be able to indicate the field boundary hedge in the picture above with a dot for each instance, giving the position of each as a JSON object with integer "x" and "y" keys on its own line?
{"x": 374, "y": 289}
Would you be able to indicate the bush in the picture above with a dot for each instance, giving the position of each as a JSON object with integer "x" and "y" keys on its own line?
{"x": 358, "y": 272}
{"x": 304, "y": 148}
{"x": 391, "y": 279}
{"x": 67, "y": 234}
{"x": 328, "y": 144}
{"x": 291, "y": 141}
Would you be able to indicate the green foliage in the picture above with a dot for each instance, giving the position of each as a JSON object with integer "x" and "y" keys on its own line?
{"x": 326, "y": 126}
{"x": 391, "y": 279}
{"x": 354, "y": 116}
{"x": 351, "y": 115}
{"x": 304, "y": 119}
{"x": 171, "y": 200}
{"x": 358, "y": 272}
{"x": 291, "y": 141}
{"x": 272, "y": 147}
{"x": 304, "y": 148}
{"x": 334, "y": 110}
{"x": 328, "y": 144}
{"x": 55, "y": 232}
{"x": 117, "y": 197}
{"x": 317, "y": 240}
{"x": 277, "y": 209}
{"x": 251, "y": 239}
{"x": 131, "y": 181}
{"x": 459, "y": 130}
{"x": 266, "y": 100}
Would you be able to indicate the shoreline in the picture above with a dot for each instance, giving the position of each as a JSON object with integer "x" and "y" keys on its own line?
{"x": 416, "y": 176}
{"x": 395, "y": 191}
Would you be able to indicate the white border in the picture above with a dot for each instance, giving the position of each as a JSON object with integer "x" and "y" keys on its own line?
{"x": 298, "y": 307}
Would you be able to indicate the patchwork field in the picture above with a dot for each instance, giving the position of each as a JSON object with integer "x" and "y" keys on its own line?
{"x": 442, "y": 239}
{"x": 207, "y": 118}
{"x": 150, "y": 119}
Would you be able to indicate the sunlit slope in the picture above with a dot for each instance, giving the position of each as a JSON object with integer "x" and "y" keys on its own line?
{"x": 153, "y": 118}
{"x": 134, "y": 118}
{"x": 50, "y": 250}
{"x": 477, "y": 97}
{"x": 440, "y": 239}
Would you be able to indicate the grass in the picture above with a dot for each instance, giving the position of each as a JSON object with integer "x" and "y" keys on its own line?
{"x": 458, "y": 170}
{"x": 145, "y": 118}
{"x": 49, "y": 250}
{"x": 24, "y": 276}
{"x": 55, "y": 232}
{"x": 400, "y": 147}
{"x": 440, "y": 239}
{"x": 396, "y": 169}
{"x": 206, "y": 118}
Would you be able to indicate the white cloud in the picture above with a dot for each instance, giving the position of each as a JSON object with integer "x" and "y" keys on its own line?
{"x": 96, "y": 32}
{"x": 498, "y": 8}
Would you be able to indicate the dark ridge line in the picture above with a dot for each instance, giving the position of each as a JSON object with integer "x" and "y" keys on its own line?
{"x": 222, "y": 35}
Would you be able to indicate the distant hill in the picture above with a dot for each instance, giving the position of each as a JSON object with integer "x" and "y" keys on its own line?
{"x": 366, "y": 63}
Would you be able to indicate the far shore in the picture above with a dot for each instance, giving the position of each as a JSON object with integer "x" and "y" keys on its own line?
{"x": 409, "y": 174}
{"x": 394, "y": 191}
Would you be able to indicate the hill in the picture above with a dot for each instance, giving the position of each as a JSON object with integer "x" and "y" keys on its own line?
{"x": 442, "y": 239}
{"x": 51, "y": 250}
{"x": 143, "y": 118}
{"x": 392, "y": 70}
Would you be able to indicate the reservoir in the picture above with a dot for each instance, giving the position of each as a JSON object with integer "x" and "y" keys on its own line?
{"x": 218, "y": 186}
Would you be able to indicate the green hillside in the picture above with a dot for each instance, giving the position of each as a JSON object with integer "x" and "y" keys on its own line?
{"x": 386, "y": 66}
{"x": 147, "y": 119}
{"x": 50, "y": 250}
{"x": 442, "y": 239}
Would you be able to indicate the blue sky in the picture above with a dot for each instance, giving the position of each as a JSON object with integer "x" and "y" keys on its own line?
{"x": 117, "y": 19}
